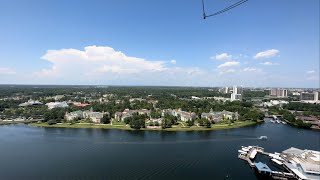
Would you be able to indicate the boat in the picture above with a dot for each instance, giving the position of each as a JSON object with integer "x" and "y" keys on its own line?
{"x": 263, "y": 137}
{"x": 272, "y": 121}
{"x": 283, "y": 122}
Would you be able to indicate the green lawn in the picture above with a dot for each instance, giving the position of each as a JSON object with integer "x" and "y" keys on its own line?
{"x": 122, "y": 126}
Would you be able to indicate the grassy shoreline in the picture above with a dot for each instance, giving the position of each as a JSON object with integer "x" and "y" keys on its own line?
{"x": 124, "y": 127}
{"x": 14, "y": 122}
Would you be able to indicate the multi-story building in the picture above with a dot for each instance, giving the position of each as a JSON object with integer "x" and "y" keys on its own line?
{"x": 277, "y": 92}
{"x": 236, "y": 93}
{"x": 95, "y": 117}
{"x": 184, "y": 116}
{"x": 307, "y": 96}
{"x": 120, "y": 116}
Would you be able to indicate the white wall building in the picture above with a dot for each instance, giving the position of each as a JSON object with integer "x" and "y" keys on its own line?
{"x": 52, "y": 105}
{"x": 236, "y": 93}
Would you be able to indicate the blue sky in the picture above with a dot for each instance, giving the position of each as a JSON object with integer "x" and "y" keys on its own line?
{"x": 152, "y": 42}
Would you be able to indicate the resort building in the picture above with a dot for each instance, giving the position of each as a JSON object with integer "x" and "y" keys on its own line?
{"x": 95, "y": 117}
{"x": 120, "y": 116}
{"x": 184, "y": 116}
{"x": 219, "y": 116}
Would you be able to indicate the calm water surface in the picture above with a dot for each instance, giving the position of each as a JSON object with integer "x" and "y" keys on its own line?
{"x": 55, "y": 153}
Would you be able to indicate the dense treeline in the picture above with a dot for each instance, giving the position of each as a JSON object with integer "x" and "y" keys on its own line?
{"x": 297, "y": 106}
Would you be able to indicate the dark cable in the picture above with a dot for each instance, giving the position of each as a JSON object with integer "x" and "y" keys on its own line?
{"x": 223, "y": 10}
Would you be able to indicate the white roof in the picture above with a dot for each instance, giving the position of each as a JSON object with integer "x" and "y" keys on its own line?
{"x": 299, "y": 174}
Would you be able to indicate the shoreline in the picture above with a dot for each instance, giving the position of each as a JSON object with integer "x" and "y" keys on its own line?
{"x": 124, "y": 127}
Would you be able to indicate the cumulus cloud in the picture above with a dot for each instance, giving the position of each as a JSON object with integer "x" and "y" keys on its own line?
{"x": 269, "y": 63}
{"x": 7, "y": 71}
{"x": 95, "y": 59}
{"x": 104, "y": 65}
{"x": 223, "y": 56}
{"x": 267, "y": 54}
{"x": 228, "y": 64}
{"x": 250, "y": 69}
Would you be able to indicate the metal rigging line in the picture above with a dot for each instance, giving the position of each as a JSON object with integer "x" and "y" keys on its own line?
{"x": 223, "y": 10}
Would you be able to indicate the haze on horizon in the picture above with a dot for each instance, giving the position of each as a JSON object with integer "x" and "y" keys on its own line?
{"x": 160, "y": 43}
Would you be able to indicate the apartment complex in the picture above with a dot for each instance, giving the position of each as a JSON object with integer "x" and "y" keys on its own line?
{"x": 308, "y": 96}
{"x": 277, "y": 92}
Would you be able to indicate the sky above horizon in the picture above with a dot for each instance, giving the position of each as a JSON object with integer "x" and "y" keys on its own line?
{"x": 266, "y": 43}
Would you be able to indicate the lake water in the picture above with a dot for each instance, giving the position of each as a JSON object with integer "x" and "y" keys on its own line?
{"x": 56, "y": 153}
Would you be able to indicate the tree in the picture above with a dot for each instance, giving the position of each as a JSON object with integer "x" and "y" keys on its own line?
{"x": 207, "y": 123}
{"x": 105, "y": 119}
{"x": 166, "y": 123}
{"x": 190, "y": 123}
{"x": 137, "y": 121}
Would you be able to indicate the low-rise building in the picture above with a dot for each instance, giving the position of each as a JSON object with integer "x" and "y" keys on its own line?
{"x": 30, "y": 103}
{"x": 120, "y": 116}
{"x": 304, "y": 164}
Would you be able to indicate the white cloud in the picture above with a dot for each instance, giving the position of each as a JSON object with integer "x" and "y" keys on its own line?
{"x": 311, "y": 72}
{"x": 104, "y": 65}
{"x": 223, "y": 56}
{"x": 7, "y": 71}
{"x": 249, "y": 69}
{"x": 267, "y": 54}
{"x": 95, "y": 59}
{"x": 173, "y": 61}
{"x": 228, "y": 64}
{"x": 269, "y": 63}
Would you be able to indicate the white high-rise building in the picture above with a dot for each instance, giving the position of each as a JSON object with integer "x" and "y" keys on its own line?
{"x": 236, "y": 93}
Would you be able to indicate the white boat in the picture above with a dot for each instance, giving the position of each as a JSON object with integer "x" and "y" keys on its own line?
{"x": 283, "y": 122}
{"x": 263, "y": 137}
{"x": 272, "y": 121}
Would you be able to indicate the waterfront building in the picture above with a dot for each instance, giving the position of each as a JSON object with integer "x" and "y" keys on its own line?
{"x": 218, "y": 116}
{"x": 120, "y": 116}
{"x": 305, "y": 164}
{"x": 184, "y": 116}
{"x": 95, "y": 117}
